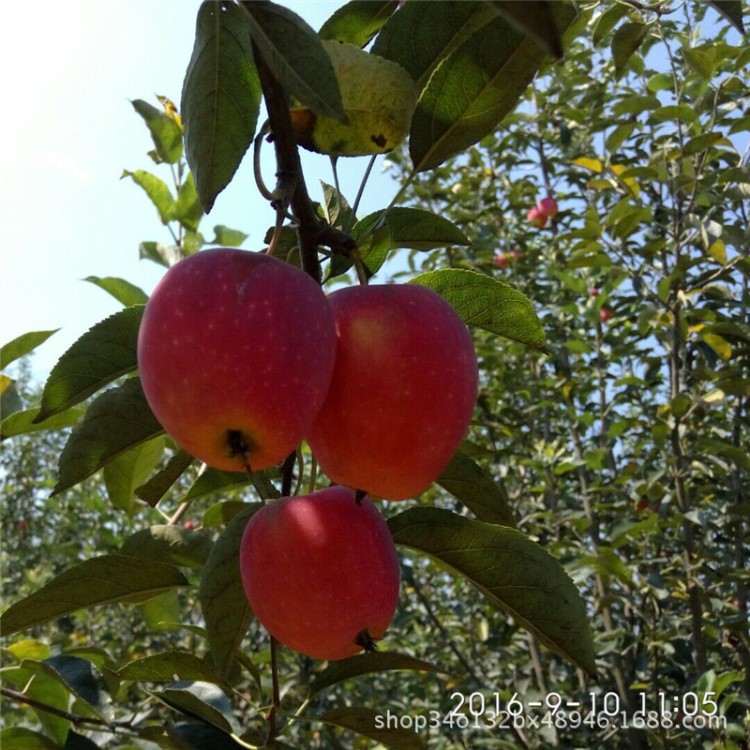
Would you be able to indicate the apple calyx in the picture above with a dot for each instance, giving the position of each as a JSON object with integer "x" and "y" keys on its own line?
{"x": 365, "y": 641}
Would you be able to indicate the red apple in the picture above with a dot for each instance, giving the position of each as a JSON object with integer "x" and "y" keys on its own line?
{"x": 403, "y": 390}
{"x": 321, "y": 572}
{"x": 235, "y": 353}
{"x": 593, "y": 292}
{"x": 536, "y": 217}
{"x": 548, "y": 206}
{"x": 605, "y": 314}
{"x": 501, "y": 259}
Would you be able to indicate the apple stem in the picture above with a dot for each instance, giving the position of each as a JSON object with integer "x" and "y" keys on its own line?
{"x": 359, "y": 496}
{"x": 359, "y": 266}
{"x": 276, "y": 693}
{"x": 287, "y": 474}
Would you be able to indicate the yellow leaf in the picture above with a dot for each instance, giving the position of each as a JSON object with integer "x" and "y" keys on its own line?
{"x": 5, "y": 383}
{"x": 718, "y": 251}
{"x": 630, "y": 182}
{"x": 588, "y": 163}
{"x": 601, "y": 183}
{"x": 29, "y": 649}
{"x": 714, "y": 396}
{"x": 378, "y": 96}
{"x": 720, "y": 345}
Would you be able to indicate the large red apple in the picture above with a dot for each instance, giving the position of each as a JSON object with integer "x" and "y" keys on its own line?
{"x": 321, "y": 572}
{"x": 403, "y": 390}
{"x": 235, "y": 353}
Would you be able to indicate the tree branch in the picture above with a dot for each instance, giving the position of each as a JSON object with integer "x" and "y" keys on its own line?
{"x": 291, "y": 189}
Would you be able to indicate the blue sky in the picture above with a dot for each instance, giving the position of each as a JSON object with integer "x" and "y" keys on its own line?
{"x": 69, "y": 71}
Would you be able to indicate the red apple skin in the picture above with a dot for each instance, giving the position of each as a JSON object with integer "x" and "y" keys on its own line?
{"x": 548, "y": 206}
{"x": 403, "y": 390}
{"x": 500, "y": 260}
{"x": 605, "y": 314}
{"x": 536, "y": 217}
{"x": 321, "y": 572}
{"x": 235, "y": 353}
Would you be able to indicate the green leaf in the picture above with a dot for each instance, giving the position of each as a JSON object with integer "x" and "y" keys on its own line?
{"x": 513, "y": 572}
{"x": 104, "y": 353}
{"x": 118, "y": 420}
{"x": 369, "y": 663}
{"x": 212, "y": 481}
{"x": 200, "y": 700}
{"x": 48, "y": 692}
{"x": 380, "y": 232}
{"x": 412, "y": 228}
{"x": 420, "y": 35}
{"x": 22, "y": 422}
{"x": 363, "y": 721}
{"x": 20, "y": 738}
{"x": 165, "y": 131}
{"x": 168, "y": 666}
{"x": 157, "y": 190}
{"x": 296, "y": 57}
{"x": 22, "y": 345}
{"x": 357, "y": 21}
{"x": 130, "y": 470}
{"x": 608, "y": 20}
{"x": 625, "y": 43}
{"x": 483, "y": 302}
{"x": 473, "y": 89}
{"x": 220, "y": 98}
{"x": 226, "y": 611}
{"x": 188, "y": 210}
{"x": 79, "y": 677}
{"x": 171, "y": 544}
{"x": 535, "y": 18}
{"x": 101, "y": 580}
{"x": 154, "y": 490}
{"x": 227, "y": 237}
{"x": 221, "y": 513}
{"x": 477, "y": 490}
{"x": 732, "y": 10}
{"x": 10, "y": 400}
{"x": 163, "y": 612}
{"x": 163, "y": 255}
{"x": 123, "y": 291}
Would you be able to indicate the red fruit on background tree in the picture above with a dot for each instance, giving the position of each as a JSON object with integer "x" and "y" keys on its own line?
{"x": 403, "y": 390}
{"x": 548, "y": 206}
{"x": 536, "y": 217}
{"x": 235, "y": 353}
{"x": 605, "y": 314}
{"x": 321, "y": 572}
{"x": 500, "y": 260}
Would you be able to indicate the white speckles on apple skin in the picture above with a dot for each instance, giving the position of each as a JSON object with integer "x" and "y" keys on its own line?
{"x": 247, "y": 356}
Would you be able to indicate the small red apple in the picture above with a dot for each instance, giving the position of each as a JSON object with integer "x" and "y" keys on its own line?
{"x": 235, "y": 353}
{"x": 501, "y": 259}
{"x": 403, "y": 390}
{"x": 605, "y": 314}
{"x": 536, "y": 217}
{"x": 189, "y": 525}
{"x": 321, "y": 572}
{"x": 548, "y": 206}
{"x": 593, "y": 292}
